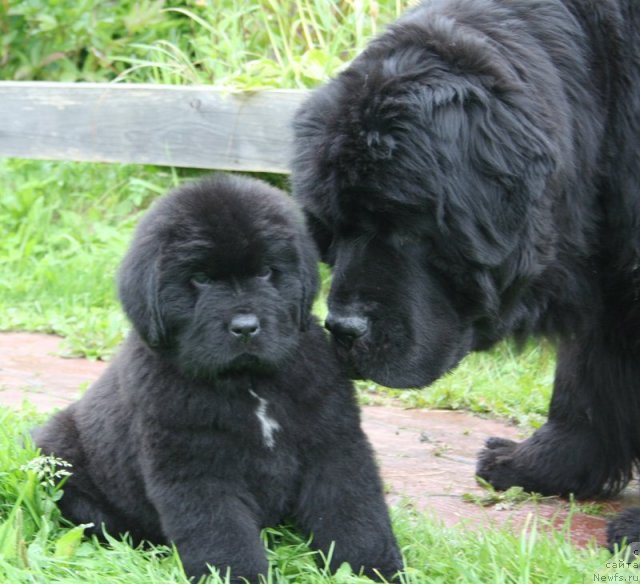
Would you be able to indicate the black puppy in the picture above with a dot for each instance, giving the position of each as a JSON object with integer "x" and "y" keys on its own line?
{"x": 224, "y": 411}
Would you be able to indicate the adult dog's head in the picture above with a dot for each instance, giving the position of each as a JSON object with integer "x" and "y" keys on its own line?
{"x": 220, "y": 276}
{"x": 425, "y": 171}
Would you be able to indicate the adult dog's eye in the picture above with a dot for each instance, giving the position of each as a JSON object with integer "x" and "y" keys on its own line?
{"x": 200, "y": 278}
{"x": 265, "y": 273}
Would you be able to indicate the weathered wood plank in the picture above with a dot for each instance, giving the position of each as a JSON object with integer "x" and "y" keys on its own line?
{"x": 198, "y": 127}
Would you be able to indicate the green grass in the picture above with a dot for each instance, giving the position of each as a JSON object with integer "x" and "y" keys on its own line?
{"x": 36, "y": 545}
{"x": 510, "y": 382}
{"x": 307, "y": 40}
{"x": 65, "y": 229}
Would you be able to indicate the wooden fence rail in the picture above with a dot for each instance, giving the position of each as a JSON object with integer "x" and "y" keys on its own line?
{"x": 197, "y": 127}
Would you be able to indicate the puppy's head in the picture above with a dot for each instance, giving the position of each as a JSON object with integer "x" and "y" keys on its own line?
{"x": 221, "y": 276}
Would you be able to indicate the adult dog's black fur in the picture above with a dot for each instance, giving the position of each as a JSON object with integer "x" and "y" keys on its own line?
{"x": 225, "y": 410}
{"x": 474, "y": 174}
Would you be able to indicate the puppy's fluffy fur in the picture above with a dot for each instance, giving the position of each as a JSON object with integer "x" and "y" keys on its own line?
{"x": 224, "y": 410}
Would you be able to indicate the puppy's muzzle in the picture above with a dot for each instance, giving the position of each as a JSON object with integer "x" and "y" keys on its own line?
{"x": 244, "y": 326}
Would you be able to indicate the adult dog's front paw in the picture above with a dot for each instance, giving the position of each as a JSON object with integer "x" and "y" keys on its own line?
{"x": 496, "y": 464}
{"x": 626, "y": 527}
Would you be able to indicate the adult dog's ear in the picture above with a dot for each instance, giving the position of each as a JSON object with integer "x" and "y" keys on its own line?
{"x": 495, "y": 156}
{"x": 514, "y": 157}
{"x": 138, "y": 288}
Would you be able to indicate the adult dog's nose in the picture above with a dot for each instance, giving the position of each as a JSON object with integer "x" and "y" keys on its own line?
{"x": 244, "y": 326}
{"x": 347, "y": 328}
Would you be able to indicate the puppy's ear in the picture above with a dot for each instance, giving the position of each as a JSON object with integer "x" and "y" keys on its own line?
{"x": 321, "y": 234}
{"x": 139, "y": 291}
{"x": 309, "y": 278}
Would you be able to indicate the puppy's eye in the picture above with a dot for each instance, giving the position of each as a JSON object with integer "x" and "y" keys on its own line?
{"x": 265, "y": 273}
{"x": 200, "y": 278}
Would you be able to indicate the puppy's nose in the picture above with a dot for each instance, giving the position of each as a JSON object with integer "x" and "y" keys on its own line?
{"x": 244, "y": 326}
{"x": 347, "y": 328}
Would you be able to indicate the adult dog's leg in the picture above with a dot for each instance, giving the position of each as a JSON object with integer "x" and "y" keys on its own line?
{"x": 592, "y": 437}
{"x": 341, "y": 503}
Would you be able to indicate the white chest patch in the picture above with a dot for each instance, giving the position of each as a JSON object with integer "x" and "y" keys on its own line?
{"x": 267, "y": 423}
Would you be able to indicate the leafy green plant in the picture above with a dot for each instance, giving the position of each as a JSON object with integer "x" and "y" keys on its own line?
{"x": 72, "y": 41}
{"x": 227, "y": 42}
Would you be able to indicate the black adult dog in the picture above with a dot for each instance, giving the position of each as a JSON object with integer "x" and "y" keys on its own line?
{"x": 474, "y": 174}
{"x": 225, "y": 410}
